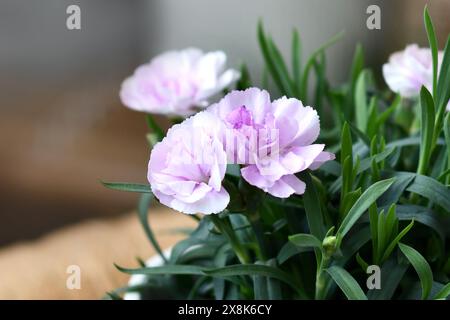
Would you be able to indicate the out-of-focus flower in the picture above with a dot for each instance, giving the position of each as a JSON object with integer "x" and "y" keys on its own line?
{"x": 408, "y": 70}
{"x": 177, "y": 82}
{"x": 187, "y": 167}
{"x": 274, "y": 140}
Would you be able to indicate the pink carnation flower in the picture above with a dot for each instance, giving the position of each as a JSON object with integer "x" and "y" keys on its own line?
{"x": 408, "y": 70}
{"x": 272, "y": 160}
{"x": 187, "y": 167}
{"x": 177, "y": 82}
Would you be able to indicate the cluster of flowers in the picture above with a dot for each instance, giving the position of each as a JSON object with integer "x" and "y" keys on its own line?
{"x": 187, "y": 167}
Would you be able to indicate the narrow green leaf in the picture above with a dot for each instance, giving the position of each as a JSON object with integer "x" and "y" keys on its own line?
{"x": 392, "y": 273}
{"x": 356, "y": 69}
{"x": 426, "y": 129}
{"x": 362, "y": 204}
{"x": 362, "y": 263}
{"x": 129, "y": 187}
{"x": 431, "y": 189}
{"x": 447, "y": 138}
{"x": 273, "y": 285}
{"x": 310, "y": 64}
{"x": 443, "y": 92}
{"x": 305, "y": 240}
{"x": 168, "y": 269}
{"x": 396, "y": 240}
{"x": 372, "y": 118}
{"x": 313, "y": 209}
{"x": 433, "y": 45}
{"x": 244, "y": 81}
{"x": 296, "y": 60}
{"x": 144, "y": 204}
{"x": 421, "y": 266}
{"x": 251, "y": 270}
{"x": 260, "y": 285}
{"x": 347, "y": 283}
{"x": 382, "y": 118}
{"x": 281, "y": 68}
{"x": 346, "y": 143}
{"x": 361, "y": 107}
{"x": 443, "y": 85}
{"x": 290, "y": 250}
{"x": 444, "y": 293}
{"x": 268, "y": 58}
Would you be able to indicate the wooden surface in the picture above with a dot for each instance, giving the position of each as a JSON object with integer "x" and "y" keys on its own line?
{"x": 37, "y": 270}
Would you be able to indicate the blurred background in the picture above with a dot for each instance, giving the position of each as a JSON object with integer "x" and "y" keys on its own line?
{"x": 62, "y": 126}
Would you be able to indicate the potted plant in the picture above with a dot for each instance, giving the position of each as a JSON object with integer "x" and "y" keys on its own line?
{"x": 355, "y": 206}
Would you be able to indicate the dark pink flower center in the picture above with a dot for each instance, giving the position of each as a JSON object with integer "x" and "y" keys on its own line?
{"x": 240, "y": 117}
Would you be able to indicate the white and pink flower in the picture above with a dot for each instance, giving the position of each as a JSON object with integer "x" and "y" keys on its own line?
{"x": 408, "y": 70}
{"x": 177, "y": 82}
{"x": 272, "y": 162}
{"x": 183, "y": 180}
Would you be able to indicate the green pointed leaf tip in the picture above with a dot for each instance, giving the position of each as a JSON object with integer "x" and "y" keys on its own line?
{"x": 421, "y": 266}
{"x": 362, "y": 204}
{"x": 305, "y": 240}
{"x": 347, "y": 283}
{"x": 129, "y": 187}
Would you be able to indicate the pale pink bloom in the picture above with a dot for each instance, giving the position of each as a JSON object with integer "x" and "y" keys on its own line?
{"x": 177, "y": 82}
{"x": 408, "y": 70}
{"x": 187, "y": 167}
{"x": 272, "y": 162}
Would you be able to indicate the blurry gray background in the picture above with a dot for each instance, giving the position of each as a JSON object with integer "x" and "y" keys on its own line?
{"x": 62, "y": 127}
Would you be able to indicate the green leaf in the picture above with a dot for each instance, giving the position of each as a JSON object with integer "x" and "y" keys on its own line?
{"x": 260, "y": 285}
{"x": 396, "y": 240}
{"x": 447, "y": 137}
{"x": 244, "y": 81}
{"x": 352, "y": 244}
{"x": 310, "y": 64}
{"x": 433, "y": 45}
{"x": 443, "y": 293}
{"x": 362, "y": 263}
{"x": 144, "y": 204}
{"x": 392, "y": 273}
{"x": 427, "y": 217}
{"x": 362, "y": 204}
{"x": 421, "y": 266}
{"x": 372, "y": 119}
{"x": 382, "y": 118}
{"x": 252, "y": 270}
{"x": 289, "y": 250}
{"x": 168, "y": 269}
{"x": 269, "y": 59}
{"x": 356, "y": 69}
{"x": 305, "y": 240}
{"x": 443, "y": 85}
{"x": 402, "y": 181}
{"x": 431, "y": 189}
{"x": 296, "y": 60}
{"x": 426, "y": 129}
{"x": 273, "y": 285}
{"x": 313, "y": 209}
{"x": 346, "y": 143}
{"x": 361, "y": 107}
{"x": 281, "y": 68}
{"x": 129, "y": 187}
{"x": 347, "y": 283}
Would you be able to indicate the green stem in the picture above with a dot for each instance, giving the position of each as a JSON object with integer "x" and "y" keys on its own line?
{"x": 321, "y": 279}
{"x": 225, "y": 227}
{"x": 258, "y": 229}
